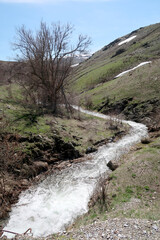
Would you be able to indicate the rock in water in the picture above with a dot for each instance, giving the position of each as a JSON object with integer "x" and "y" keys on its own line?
{"x": 112, "y": 166}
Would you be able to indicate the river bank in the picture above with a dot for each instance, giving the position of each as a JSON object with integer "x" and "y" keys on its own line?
{"x": 29, "y": 159}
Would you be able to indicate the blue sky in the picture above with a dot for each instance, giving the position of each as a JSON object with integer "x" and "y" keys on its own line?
{"x": 102, "y": 20}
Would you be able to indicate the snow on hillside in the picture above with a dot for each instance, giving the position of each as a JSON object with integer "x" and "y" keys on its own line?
{"x": 141, "y": 64}
{"x": 127, "y": 40}
{"x": 74, "y": 65}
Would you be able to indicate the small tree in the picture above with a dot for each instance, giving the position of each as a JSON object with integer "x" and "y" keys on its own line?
{"x": 45, "y": 59}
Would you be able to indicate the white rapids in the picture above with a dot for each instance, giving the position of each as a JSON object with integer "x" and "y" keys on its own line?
{"x": 54, "y": 203}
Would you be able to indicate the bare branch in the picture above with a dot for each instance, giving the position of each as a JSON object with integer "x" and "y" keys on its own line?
{"x": 46, "y": 57}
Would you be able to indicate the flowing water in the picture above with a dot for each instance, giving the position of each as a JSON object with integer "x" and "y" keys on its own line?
{"x": 54, "y": 203}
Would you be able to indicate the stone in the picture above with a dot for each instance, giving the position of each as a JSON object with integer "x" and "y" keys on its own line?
{"x": 113, "y": 127}
{"x": 125, "y": 225}
{"x": 135, "y": 226}
{"x": 52, "y": 160}
{"x": 118, "y": 52}
{"x": 155, "y": 227}
{"x": 40, "y": 166}
{"x": 145, "y": 141}
{"x": 24, "y": 182}
{"x": 112, "y": 166}
{"x": 8, "y": 209}
{"x": 90, "y": 150}
{"x": 27, "y": 171}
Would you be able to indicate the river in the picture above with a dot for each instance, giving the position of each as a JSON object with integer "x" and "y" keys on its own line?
{"x": 55, "y": 203}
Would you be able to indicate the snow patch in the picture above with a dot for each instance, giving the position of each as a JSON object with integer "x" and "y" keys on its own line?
{"x": 141, "y": 64}
{"x": 74, "y": 65}
{"x": 127, "y": 40}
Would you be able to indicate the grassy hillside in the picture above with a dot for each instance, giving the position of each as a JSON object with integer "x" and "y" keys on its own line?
{"x": 105, "y": 64}
{"x": 95, "y": 83}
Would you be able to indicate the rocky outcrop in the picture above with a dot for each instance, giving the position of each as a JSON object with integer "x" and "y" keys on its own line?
{"x": 65, "y": 150}
{"x": 111, "y": 44}
{"x": 144, "y": 111}
{"x": 37, "y": 148}
{"x": 117, "y": 107}
{"x": 118, "y": 52}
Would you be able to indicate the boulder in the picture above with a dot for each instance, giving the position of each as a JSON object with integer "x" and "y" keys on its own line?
{"x": 145, "y": 140}
{"x": 112, "y": 166}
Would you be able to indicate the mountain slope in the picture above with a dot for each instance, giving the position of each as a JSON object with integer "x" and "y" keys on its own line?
{"x": 95, "y": 80}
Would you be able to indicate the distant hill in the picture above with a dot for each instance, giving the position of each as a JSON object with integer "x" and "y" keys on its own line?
{"x": 7, "y": 67}
{"x": 5, "y": 71}
{"x": 136, "y": 93}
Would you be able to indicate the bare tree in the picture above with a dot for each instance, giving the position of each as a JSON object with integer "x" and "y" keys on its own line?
{"x": 46, "y": 58}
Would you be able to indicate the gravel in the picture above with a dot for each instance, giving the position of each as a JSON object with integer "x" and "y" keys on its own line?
{"x": 112, "y": 229}
{"x": 116, "y": 229}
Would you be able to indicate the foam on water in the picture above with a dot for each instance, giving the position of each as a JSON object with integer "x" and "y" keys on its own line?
{"x": 53, "y": 204}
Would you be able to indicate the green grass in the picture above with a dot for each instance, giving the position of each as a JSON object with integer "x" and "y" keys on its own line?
{"x": 26, "y": 126}
{"x": 81, "y": 130}
{"x": 10, "y": 93}
{"x": 98, "y": 75}
{"x": 105, "y": 72}
{"x": 144, "y": 185}
{"x": 143, "y": 84}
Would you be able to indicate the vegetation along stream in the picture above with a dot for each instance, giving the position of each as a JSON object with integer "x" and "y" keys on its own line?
{"x": 54, "y": 203}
